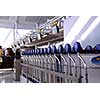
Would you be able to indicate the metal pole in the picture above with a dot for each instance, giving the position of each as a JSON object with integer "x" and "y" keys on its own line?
{"x": 18, "y": 33}
{"x": 14, "y": 34}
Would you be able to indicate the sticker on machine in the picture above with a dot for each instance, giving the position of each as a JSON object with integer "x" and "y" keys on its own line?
{"x": 96, "y": 60}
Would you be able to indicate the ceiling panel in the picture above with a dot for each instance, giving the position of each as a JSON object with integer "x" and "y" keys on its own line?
{"x": 24, "y": 22}
{"x": 33, "y": 19}
{"x": 4, "y": 17}
{"x": 45, "y": 18}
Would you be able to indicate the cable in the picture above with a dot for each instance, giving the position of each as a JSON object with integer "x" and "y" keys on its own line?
{"x": 14, "y": 33}
{"x": 18, "y": 34}
{"x": 17, "y": 27}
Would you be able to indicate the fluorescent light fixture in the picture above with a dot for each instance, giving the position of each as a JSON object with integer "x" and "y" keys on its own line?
{"x": 76, "y": 29}
{"x": 93, "y": 25}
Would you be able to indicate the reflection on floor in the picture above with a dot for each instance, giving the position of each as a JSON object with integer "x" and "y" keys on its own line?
{"x": 8, "y": 76}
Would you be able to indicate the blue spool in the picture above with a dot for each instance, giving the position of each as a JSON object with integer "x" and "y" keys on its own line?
{"x": 41, "y": 51}
{"x": 60, "y": 49}
{"x": 45, "y": 50}
{"x": 54, "y": 50}
{"x": 49, "y": 50}
{"x": 88, "y": 47}
{"x": 30, "y": 52}
{"x": 36, "y": 51}
{"x": 77, "y": 47}
{"x": 33, "y": 52}
{"x": 97, "y": 47}
{"x": 67, "y": 48}
{"x": 26, "y": 52}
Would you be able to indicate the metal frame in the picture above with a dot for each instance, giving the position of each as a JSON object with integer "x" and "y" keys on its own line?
{"x": 74, "y": 79}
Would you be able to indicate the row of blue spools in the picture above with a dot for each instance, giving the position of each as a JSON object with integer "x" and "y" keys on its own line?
{"x": 77, "y": 47}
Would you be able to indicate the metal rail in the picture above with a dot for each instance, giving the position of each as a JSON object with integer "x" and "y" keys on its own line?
{"x": 50, "y": 21}
{"x": 74, "y": 79}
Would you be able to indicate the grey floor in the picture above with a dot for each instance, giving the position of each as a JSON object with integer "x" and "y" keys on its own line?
{"x": 8, "y": 76}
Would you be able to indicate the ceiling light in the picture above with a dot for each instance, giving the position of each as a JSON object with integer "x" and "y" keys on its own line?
{"x": 93, "y": 25}
{"x": 76, "y": 29}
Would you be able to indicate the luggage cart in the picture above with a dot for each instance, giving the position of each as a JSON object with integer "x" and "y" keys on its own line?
{"x": 39, "y": 60}
{"x": 30, "y": 69}
{"x": 47, "y": 65}
{"x": 33, "y": 63}
{"x": 57, "y": 68}
{"x": 67, "y": 62}
{"x": 25, "y": 61}
{"x": 36, "y": 59}
{"x": 51, "y": 64}
{"x": 81, "y": 64}
{"x": 63, "y": 62}
{"x": 43, "y": 65}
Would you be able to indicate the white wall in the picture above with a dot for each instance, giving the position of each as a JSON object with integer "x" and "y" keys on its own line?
{"x": 92, "y": 39}
{"x": 68, "y": 24}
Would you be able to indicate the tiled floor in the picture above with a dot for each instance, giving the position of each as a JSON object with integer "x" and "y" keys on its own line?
{"x": 8, "y": 76}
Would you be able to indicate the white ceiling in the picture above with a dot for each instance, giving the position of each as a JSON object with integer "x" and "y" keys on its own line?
{"x": 23, "y": 22}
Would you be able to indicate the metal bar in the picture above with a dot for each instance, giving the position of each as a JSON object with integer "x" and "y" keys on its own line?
{"x": 54, "y": 19}
{"x": 66, "y": 63}
{"x": 74, "y": 79}
{"x": 14, "y": 33}
{"x": 85, "y": 66}
{"x": 83, "y": 61}
{"x": 73, "y": 61}
{"x": 31, "y": 77}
